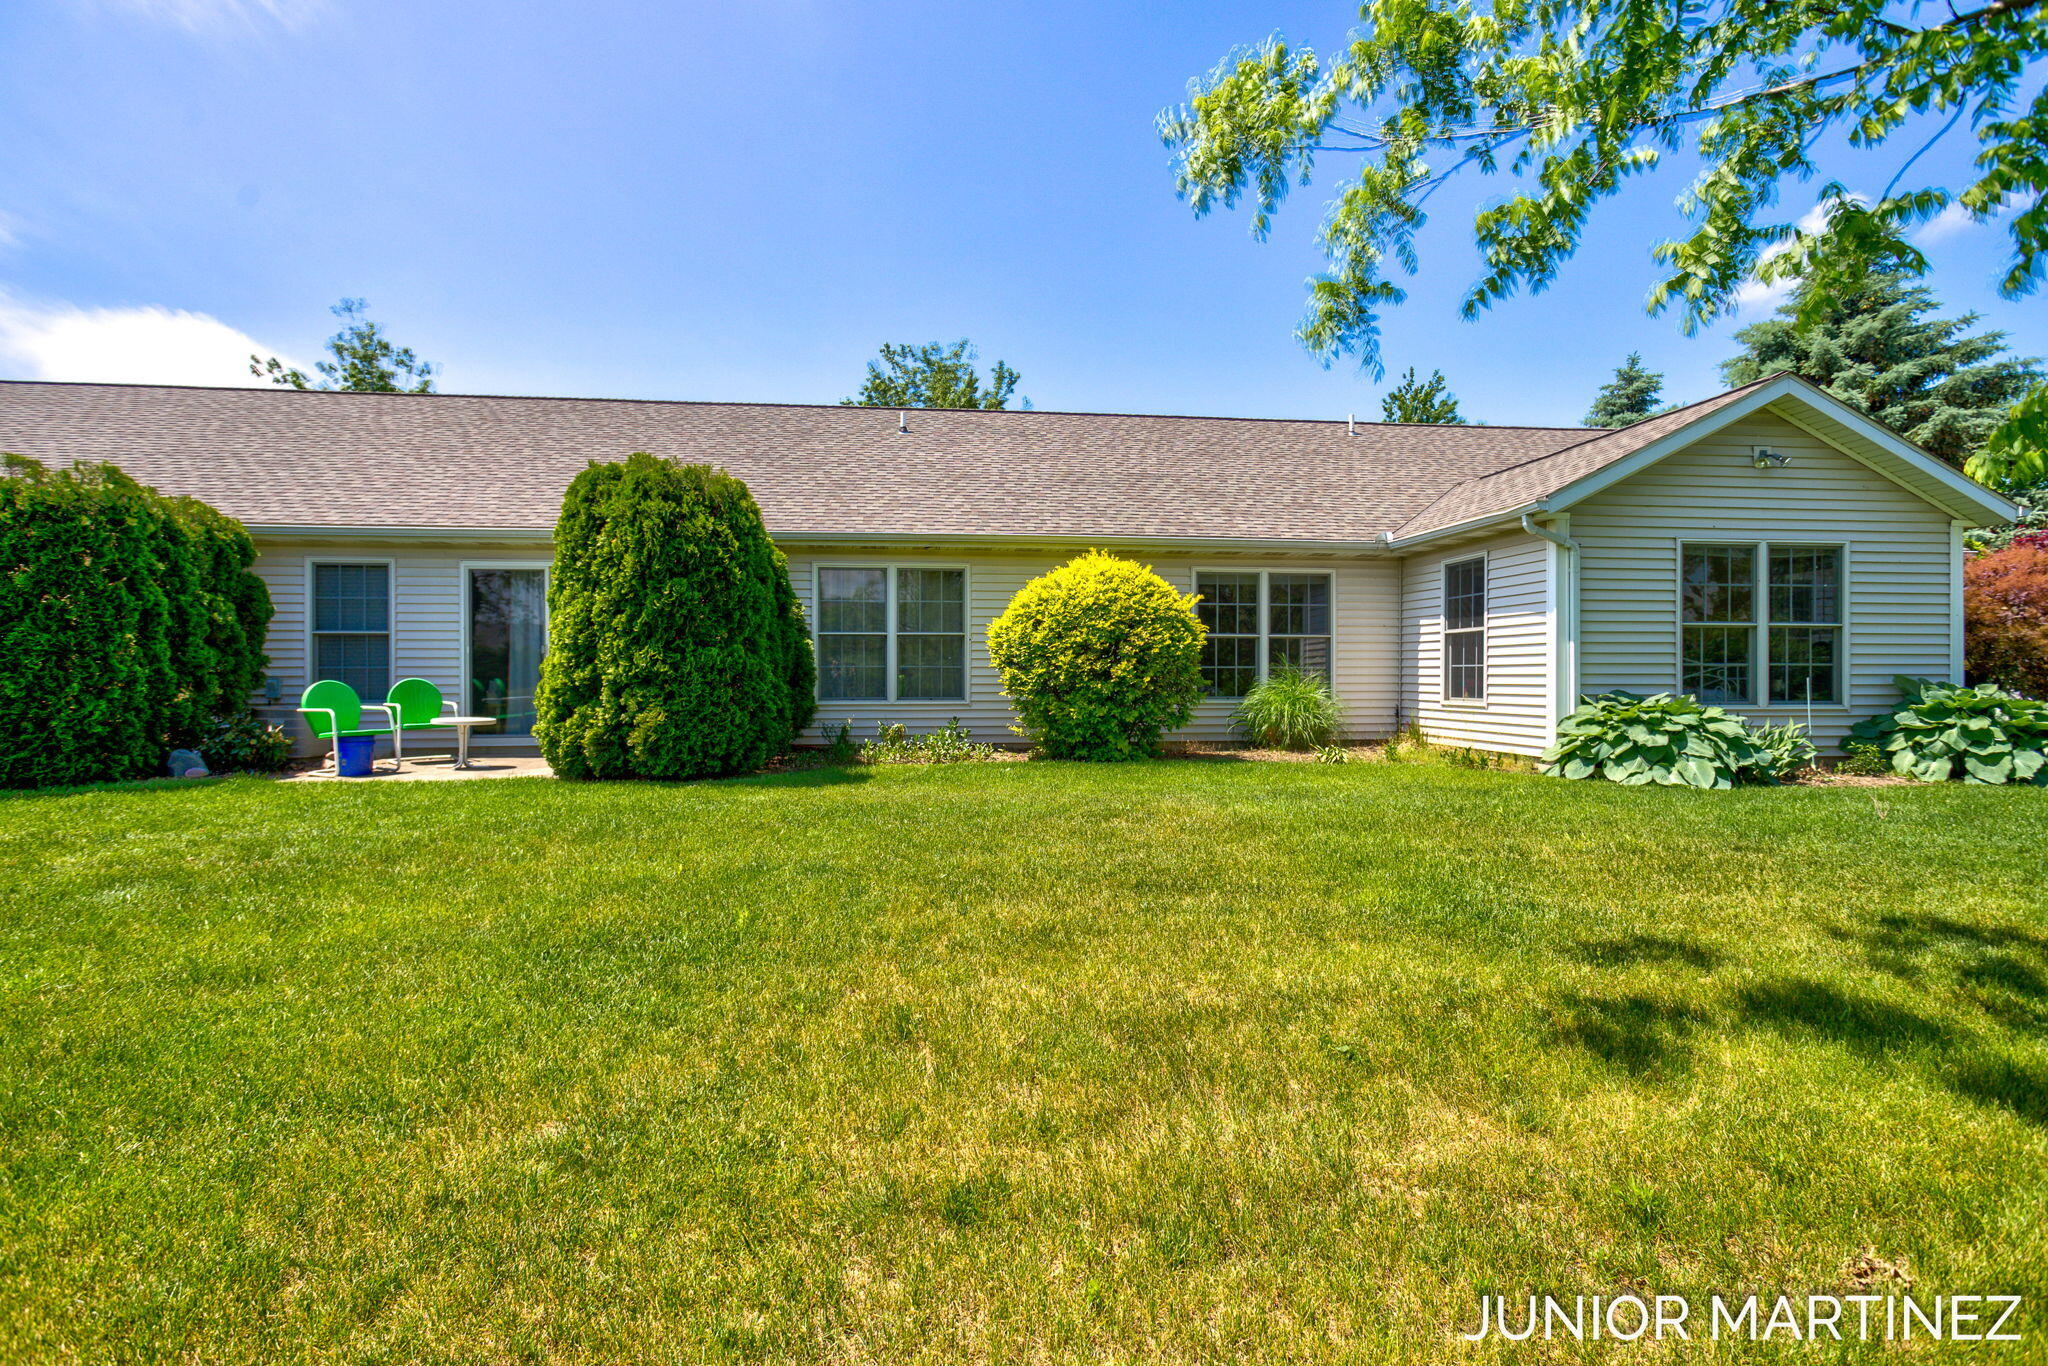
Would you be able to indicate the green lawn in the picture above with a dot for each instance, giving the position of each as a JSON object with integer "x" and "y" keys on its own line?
{"x": 1012, "y": 1062}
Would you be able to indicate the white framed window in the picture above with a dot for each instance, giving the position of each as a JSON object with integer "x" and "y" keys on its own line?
{"x": 1260, "y": 620}
{"x": 349, "y": 624}
{"x": 891, "y": 633}
{"x": 1464, "y": 633}
{"x": 1760, "y": 622}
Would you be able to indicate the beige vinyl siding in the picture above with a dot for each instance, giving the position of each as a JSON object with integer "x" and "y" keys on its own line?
{"x": 1517, "y": 713}
{"x": 1900, "y": 578}
{"x": 1363, "y": 620}
{"x": 426, "y": 615}
{"x": 427, "y": 627}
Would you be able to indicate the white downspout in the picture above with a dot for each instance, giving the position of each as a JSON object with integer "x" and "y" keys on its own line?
{"x": 1567, "y": 607}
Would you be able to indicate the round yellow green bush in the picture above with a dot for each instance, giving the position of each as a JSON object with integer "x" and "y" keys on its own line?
{"x": 1099, "y": 657}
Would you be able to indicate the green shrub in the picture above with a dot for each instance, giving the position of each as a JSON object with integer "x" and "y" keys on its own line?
{"x": 128, "y": 623}
{"x": 1783, "y": 751}
{"x": 84, "y": 667}
{"x": 233, "y": 614}
{"x": 1098, "y": 657}
{"x": 1941, "y": 731}
{"x": 1332, "y": 754}
{"x": 841, "y": 749}
{"x": 1290, "y": 709}
{"x": 245, "y": 744}
{"x": 676, "y": 649}
{"x": 949, "y": 744}
{"x": 1864, "y": 759}
{"x": 1667, "y": 739}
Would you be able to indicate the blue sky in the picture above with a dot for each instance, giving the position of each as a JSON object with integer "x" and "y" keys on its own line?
{"x": 742, "y": 200}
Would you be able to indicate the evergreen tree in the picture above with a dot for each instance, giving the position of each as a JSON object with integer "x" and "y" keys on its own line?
{"x": 933, "y": 376}
{"x": 1930, "y": 379}
{"x": 675, "y": 646}
{"x": 365, "y": 361}
{"x": 1629, "y": 397}
{"x": 1414, "y": 400}
{"x": 129, "y": 622}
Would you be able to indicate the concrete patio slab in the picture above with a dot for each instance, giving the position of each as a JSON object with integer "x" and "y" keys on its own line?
{"x": 434, "y": 768}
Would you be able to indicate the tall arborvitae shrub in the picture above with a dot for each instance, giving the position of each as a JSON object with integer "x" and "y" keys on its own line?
{"x": 84, "y": 668}
{"x": 676, "y": 648}
{"x": 128, "y": 622}
{"x": 234, "y": 610}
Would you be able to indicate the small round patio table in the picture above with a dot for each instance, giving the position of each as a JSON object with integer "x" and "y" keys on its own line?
{"x": 462, "y": 726}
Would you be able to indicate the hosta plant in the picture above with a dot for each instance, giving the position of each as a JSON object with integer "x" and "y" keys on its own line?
{"x": 1941, "y": 731}
{"x": 1665, "y": 738}
{"x": 1784, "y": 751}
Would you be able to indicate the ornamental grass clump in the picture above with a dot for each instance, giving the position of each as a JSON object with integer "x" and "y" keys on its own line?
{"x": 1673, "y": 740}
{"x": 1290, "y": 709}
{"x": 1099, "y": 657}
{"x": 1941, "y": 731}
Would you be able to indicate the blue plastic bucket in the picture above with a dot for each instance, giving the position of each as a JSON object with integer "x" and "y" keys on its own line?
{"x": 353, "y": 755}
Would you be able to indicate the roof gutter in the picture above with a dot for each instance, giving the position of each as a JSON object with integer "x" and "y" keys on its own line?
{"x": 1368, "y": 546}
{"x": 1486, "y": 519}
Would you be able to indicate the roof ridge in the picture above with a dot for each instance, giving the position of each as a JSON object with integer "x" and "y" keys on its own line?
{"x": 282, "y": 391}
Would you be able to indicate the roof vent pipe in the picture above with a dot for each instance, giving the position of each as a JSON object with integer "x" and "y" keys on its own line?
{"x": 903, "y": 422}
{"x": 1351, "y": 424}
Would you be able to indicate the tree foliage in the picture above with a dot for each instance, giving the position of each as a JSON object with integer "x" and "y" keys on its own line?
{"x": 1421, "y": 400}
{"x": 364, "y": 360}
{"x": 676, "y": 647}
{"x": 1879, "y": 348}
{"x": 2015, "y": 455}
{"x": 934, "y": 375}
{"x": 1098, "y": 657}
{"x": 129, "y": 623}
{"x": 1571, "y": 99}
{"x": 1629, "y": 397}
{"x": 2005, "y": 618}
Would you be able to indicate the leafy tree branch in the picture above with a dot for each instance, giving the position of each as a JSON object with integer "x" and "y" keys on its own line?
{"x": 1572, "y": 100}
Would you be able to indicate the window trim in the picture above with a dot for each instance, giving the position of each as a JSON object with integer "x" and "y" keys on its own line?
{"x": 312, "y": 636}
{"x": 889, "y": 569}
{"x": 1760, "y": 629}
{"x": 1265, "y": 613}
{"x": 547, "y": 575}
{"x": 1444, "y": 633}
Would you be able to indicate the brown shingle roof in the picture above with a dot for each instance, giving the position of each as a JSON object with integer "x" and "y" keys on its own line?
{"x": 278, "y": 457}
{"x": 1522, "y": 484}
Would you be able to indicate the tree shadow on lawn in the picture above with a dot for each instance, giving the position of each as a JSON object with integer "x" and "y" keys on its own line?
{"x": 1624, "y": 950}
{"x": 2001, "y": 970}
{"x": 1652, "y": 1037}
{"x": 822, "y": 775}
{"x": 1638, "y": 1033}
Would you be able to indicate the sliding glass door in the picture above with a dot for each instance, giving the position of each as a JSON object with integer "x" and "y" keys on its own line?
{"x": 508, "y": 633}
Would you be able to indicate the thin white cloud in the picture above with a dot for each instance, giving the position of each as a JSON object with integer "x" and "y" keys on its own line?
{"x": 212, "y": 16}
{"x": 146, "y": 345}
{"x": 1755, "y": 296}
{"x": 1948, "y": 223}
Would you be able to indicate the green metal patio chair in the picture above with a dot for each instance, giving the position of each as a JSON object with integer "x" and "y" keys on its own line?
{"x": 332, "y": 710}
{"x": 412, "y": 703}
